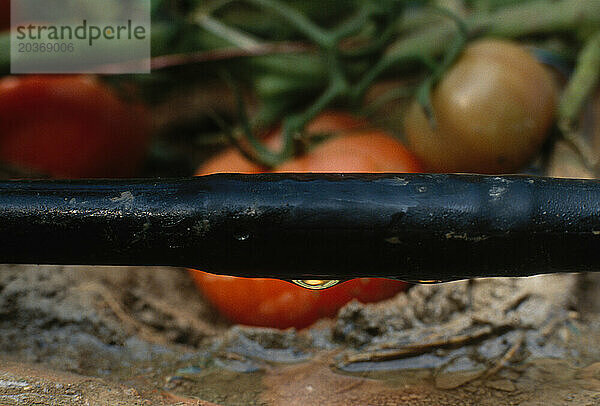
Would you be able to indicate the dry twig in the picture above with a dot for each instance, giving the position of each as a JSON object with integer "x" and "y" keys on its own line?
{"x": 507, "y": 356}
{"x": 421, "y": 348}
{"x": 133, "y": 325}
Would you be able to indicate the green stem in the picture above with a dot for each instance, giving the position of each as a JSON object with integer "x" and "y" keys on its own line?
{"x": 424, "y": 92}
{"x": 375, "y": 46}
{"x": 258, "y": 153}
{"x": 229, "y": 34}
{"x": 535, "y": 17}
{"x": 298, "y": 21}
{"x": 392, "y": 95}
{"x": 583, "y": 82}
{"x": 231, "y": 137}
{"x": 384, "y": 64}
{"x": 491, "y": 5}
{"x": 293, "y": 125}
{"x": 457, "y": 20}
{"x": 335, "y": 90}
{"x": 270, "y": 113}
{"x": 541, "y": 17}
{"x": 353, "y": 25}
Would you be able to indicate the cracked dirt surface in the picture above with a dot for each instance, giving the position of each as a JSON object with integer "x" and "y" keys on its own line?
{"x": 130, "y": 336}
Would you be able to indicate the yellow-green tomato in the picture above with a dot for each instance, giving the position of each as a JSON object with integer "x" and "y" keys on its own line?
{"x": 492, "y": 112}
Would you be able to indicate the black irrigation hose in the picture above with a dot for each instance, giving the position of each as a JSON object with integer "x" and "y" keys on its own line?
{"x": 305, "y": 226}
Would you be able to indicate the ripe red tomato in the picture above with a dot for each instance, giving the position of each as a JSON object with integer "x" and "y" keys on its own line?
{"x": 275, "y": 303}
{"x": 492, "y": 110}
{"x": 279, "y": 304}
{"x": 354, "y": 147}
{"x": 70, "y": 126}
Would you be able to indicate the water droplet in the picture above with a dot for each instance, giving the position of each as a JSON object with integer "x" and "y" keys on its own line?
{"x": 315, "y": 284}
{"x": 242, "y": 236}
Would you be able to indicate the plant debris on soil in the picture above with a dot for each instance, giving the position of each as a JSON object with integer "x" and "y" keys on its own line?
{"x": 130, "y": 336}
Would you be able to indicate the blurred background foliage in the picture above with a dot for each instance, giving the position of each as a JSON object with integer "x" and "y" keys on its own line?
{"x": 224, "y": 71}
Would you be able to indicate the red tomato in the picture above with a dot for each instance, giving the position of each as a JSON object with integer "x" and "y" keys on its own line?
{"x": 4, "y": 15}
{"x": 275, "y": 303}
{"x": 358, "y": 149}
{"x": 279, "y": 304}
{"x": 70, "y": 126}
